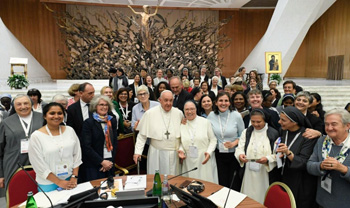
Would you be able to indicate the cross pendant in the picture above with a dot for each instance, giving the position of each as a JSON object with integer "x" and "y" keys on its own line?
{"x": 167, "y": 134}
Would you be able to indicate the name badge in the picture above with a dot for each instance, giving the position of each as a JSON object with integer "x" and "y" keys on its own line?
{"x": 24, "y": 146}
{"x": 279, "y": 160}
{"x": 222, "y": 148}
{"x": 326, "y": 184}
{"x": 193, "y": 151}
{"x": 62, "y": 170}
{"x": 106, "y": 154}
{"x": 253, "y": 166}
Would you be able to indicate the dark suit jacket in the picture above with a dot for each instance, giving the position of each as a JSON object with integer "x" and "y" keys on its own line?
{"x": 93, "y": 140}
{"x": 11, "y": 133}
{"x": 183, "y": 97}
{"x": 224, "y": 82}
{"x": 75, "y": 117}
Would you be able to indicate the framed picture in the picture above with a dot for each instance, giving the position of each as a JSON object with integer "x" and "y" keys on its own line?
{"x": 273, "y": 62}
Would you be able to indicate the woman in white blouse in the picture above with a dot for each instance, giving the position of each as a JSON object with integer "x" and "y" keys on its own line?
{"x": 54, "y": 151}
{"x": 198, "y": 144}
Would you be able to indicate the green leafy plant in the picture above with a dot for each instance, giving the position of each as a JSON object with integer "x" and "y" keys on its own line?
{"x": 276, "y": 77}
{"x": 17, "y": 81}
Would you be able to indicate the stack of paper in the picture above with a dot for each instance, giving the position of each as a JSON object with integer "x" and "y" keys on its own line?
{"x": 220, "y": 196}
{"x": 135, "y": 182}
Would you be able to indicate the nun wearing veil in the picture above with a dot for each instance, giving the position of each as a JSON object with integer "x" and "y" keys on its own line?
{"x": 294, "y": 150}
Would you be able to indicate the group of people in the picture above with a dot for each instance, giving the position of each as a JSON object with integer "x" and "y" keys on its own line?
{"x": 237, "y": 134}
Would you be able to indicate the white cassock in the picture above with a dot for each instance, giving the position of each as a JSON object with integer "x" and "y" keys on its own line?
{"x": 197, "y": 137}
{"x": 162, "y": 152}
{"x": 256, "y": 176}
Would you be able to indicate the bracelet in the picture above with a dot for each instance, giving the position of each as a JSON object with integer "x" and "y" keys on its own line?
{"x": 290, "y": 154}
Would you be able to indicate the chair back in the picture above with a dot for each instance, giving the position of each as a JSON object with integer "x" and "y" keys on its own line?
{"x": 124, "y": 154}
{"x": 19, "y": 185}
{"x": 279, "y": 195}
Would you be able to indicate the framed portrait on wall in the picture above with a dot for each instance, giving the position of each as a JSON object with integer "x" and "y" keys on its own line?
{"x": 273, "y": 62}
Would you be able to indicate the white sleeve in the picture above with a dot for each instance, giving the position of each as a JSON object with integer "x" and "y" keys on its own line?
{"x": 36, "y": 156}
{"x": 240, "y": 147}
{"x": 212, "y": 139}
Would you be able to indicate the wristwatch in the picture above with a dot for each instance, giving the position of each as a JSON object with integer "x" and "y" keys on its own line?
{"x": 74, "y": 176}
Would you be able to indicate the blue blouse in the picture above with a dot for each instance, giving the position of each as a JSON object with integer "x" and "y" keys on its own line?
{"x": 234, "y": 128}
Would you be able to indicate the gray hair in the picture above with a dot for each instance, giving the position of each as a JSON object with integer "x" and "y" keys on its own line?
{"x": 165, "y": 91}
{"x": 20, "y": 96}
{"x": 94, "y": 102}
{"x": 215, "y": 77}
{"x": 142, "y": 88}
{"x": 305, "y": 94}
{"x": 344, "y": 114}
{"x": 59, "y": 97}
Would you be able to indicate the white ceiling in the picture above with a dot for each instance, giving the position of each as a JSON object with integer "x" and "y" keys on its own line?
{"x": 168, "y": 3}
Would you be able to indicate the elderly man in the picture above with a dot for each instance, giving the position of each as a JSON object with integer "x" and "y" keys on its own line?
{"x": 164, "y": 136}
{"x": 180, "y": 95}
{"x": 159, "y": 78}
{"x": 15, "y": 132}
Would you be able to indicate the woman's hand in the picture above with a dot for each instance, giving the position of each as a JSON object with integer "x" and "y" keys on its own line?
{"x": 282, "y": 148}
{"x": 243, "y": 158}
{"x": 106, "y": 165}
{"x": 127, "y": 123}
{"x": 231, "y": 144}
{"x": 72, "y": 183}
{"x": 63, "y": 184}
{"x": 207, "y": 157}
{"x": 330, "y": 163}
{"x": 315, "y": 113}
{"x": 262, "y": 160}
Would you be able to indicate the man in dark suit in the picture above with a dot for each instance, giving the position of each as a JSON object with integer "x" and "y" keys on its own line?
{"x": 180, "y": 95}
{"x": 15, "y": 132}
{"x": 78, "y": 112}
{"x": 204, "y": 76}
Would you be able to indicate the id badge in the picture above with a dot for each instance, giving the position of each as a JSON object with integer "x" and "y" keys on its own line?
{"x": 106, "y": 154}
{"x": 222, "y": 148}
{"x": 24, "y": 146}
{"x": 279, "y": 160}
{"x": 326, "y": 184}
{"x": 253, "y": 166}
{"x": 193, "y": 151}
{"x": 62, "y": 170}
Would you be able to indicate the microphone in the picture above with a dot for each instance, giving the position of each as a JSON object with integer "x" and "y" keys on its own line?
{"x": 149, "y": 193}
{"x": 21, "y": 166}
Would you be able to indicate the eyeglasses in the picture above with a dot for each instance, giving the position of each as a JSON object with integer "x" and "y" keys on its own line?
{"x": 190, "y": 109}
{"x": 143, "y": 94}
{"x": 103, "y": 105}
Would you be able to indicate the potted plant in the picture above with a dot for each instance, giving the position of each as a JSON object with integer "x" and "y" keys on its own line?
{"x": 17, "y": 81}
{"x": 276, "y": 77}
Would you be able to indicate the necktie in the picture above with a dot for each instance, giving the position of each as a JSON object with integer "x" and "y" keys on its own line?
{"x": 175, "y": 101}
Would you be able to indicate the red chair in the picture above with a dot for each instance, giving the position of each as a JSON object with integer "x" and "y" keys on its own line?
{"x": 279, "y": 195}
{"x": 19, "y": 185}
{"x": 124, "y": 156}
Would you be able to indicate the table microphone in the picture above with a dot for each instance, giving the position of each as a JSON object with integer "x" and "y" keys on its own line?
{"x": 21, "y": 166}
{"x": 149, "y": 193}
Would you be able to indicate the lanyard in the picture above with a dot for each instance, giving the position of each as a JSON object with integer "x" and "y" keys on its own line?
{"x": 29, "y": 125}
{"x": 60, "y": 151}
{"x": 223, "y": 129}
{"x": 290, "y": 145}
{"x": 126, "y": 112}
{"x": 192, "y": 133}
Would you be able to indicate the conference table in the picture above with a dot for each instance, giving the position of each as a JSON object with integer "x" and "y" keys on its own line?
{"x": 209, "y": 188}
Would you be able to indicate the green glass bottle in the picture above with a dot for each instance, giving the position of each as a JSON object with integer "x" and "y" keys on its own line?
{"x": 31, "y": 201}
{"x": 157, "y": 187}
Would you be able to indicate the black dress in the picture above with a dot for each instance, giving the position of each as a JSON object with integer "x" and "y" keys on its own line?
{"x": 295, "y": 175}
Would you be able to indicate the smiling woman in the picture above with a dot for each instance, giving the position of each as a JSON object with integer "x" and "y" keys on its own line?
{"x": 227, "y": 126}
{"x": 54, "y": 151}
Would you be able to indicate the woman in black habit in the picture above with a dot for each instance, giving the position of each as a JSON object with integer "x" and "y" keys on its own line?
{"x": 294, "y": 150}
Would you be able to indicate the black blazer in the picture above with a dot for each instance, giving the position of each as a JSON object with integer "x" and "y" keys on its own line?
{"x": 75, "y": 117}
{"x": 223, "y": 81}
{"x": 93, "y": 140}
{"x": 183, "y": 97}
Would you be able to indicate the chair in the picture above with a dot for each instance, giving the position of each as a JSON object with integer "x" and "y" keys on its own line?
{"x": 19, "y": 185}
{"x": 279, "y": 195}
{"x": 124, "y": 156}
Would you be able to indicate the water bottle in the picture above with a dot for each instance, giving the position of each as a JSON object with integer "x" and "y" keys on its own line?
{"x": 31, "y": 201}
{"x": 165, "y": 189}
{"x": 157, "y": 187}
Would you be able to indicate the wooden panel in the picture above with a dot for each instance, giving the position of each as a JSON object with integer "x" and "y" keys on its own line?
{"x": 328, "y": 36}
{"x": 245, "y": 29}
{"x": 34, "y": 26}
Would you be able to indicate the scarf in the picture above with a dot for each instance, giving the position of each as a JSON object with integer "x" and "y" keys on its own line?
{"x": 327, "y": 146}
{"x": 107, "y": 129}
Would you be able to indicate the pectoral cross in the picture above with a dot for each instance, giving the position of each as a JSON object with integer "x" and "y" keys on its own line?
{"x": 167, "y": 134}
